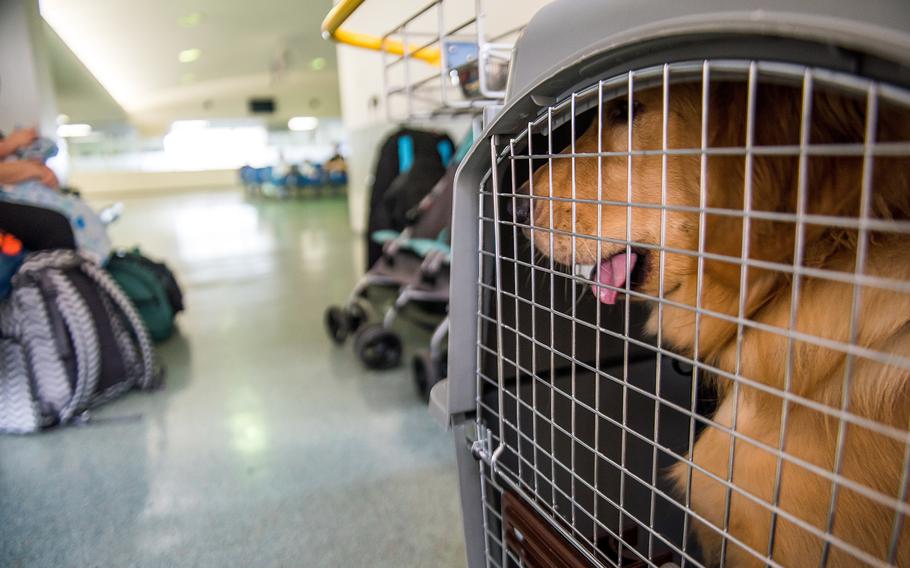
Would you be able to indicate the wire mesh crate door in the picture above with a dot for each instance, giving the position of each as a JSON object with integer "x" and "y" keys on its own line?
{"x": 693, "y": 341}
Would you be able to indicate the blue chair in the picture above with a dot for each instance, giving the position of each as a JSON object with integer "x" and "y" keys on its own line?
{"x": 248, "y": 178}
{"x": 264, "y": 175}
{"x": 337, "y": 179}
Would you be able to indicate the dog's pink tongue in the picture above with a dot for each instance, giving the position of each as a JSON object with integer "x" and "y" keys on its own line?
{"x": 612, "y": 272}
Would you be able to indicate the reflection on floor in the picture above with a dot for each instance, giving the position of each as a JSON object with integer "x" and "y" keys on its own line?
{"x": 268, "y": 447}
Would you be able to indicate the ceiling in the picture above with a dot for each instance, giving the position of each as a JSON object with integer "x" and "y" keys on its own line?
{"x": 79, "y": 95}
{"x": 248, "y": 49}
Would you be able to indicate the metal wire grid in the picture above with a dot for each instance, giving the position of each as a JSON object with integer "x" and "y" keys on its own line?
{"x": 520, "y": 423}
{"x": 414, "y": 90}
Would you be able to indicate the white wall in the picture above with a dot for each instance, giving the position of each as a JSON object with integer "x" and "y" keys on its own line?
{"x": 26, "y": 90}
{"x": 360, "y": 76}
{"x": 363, "y": 115}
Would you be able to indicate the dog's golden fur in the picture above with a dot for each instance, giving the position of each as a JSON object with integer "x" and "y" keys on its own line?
{"x": 877, "y": 391}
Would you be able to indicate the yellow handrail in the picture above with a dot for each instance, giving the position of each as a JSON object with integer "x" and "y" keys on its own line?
{"x": 338, "y": 15}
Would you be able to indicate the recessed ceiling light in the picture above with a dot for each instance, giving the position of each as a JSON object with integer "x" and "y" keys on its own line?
{"x": 318, "y": 63}
{"x": 74, "y": 130}
{"x": 190, "y": 20}
{"x": 303, "y": 123}
{"x": 189, "y": 55}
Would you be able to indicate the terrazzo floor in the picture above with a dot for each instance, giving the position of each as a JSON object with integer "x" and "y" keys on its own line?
{"x": 269, "y": 446}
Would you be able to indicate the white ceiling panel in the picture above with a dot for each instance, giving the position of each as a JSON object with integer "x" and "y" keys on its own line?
{"x": 247, "y": 48}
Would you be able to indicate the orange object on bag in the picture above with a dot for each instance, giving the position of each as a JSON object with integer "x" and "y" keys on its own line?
{"x": 10, "y": 245}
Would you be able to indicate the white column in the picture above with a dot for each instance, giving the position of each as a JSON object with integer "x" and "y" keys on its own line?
{"x": 26, "y": 89}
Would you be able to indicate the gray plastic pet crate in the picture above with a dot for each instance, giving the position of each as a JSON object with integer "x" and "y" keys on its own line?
{"x": 520, "y": 389}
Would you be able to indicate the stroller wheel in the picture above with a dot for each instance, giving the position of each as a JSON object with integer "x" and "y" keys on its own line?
{"x": 427, "y": 373}
{"x": 379, "y": 348}
{"x": 336, "y": 324}
{"x": 357, "y": 316}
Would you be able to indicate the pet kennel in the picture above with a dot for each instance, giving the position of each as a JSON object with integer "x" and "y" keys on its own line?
{"x": 687, "y": 227}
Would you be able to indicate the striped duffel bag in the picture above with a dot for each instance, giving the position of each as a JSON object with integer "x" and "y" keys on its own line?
{"x": 70, "y": 340}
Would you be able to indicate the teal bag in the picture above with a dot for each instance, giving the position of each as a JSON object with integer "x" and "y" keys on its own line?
{"x": 147, "y": 284}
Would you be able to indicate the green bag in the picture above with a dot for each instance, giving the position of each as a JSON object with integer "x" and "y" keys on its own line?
{"x": 151, "y": 287}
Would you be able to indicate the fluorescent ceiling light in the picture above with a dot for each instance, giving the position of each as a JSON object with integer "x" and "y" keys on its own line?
{"x": 74, "y": 130}
{"x": 189, "y": 55}
{"x": 303, "y": 123}
{"x": 318, "y": 64}
{"x": 189, "y": 125}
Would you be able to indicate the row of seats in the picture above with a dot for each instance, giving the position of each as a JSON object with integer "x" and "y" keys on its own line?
{"x": 254, "y": 179}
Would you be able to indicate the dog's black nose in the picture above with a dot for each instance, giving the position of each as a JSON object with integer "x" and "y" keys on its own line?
{"x": 518, "y": 208}
{"x": 518, "y": 205}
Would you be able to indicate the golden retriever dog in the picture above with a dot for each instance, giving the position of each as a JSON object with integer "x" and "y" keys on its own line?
{"x": 874, "y": 389}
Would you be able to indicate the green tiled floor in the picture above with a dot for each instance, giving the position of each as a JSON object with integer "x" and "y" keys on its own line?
{"x": 269, "y": 447}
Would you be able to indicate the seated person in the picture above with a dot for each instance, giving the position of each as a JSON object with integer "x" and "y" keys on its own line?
{"x": 336, "y": 163}
{"x": 16, "y": 171}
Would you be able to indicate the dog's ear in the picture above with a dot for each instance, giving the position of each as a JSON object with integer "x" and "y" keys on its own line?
{"x": 841, "y": 119}
{"x": 772, "y": 179}
{"x": 836, "y": 182}
{"x": 833, "y": 181}
{"x": 837, "y": 118}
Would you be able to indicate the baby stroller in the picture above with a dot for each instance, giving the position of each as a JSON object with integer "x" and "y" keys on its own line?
{"x": 410, "y": 163}
{"x": 414, "y": 262}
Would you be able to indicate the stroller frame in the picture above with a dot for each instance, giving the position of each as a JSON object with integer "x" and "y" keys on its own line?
{"x": 377, "y": 344}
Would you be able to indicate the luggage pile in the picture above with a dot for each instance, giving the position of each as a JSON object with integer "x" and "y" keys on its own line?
{"x": 77, "y": 319}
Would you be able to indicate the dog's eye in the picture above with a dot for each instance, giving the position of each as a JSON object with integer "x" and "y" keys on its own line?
{"x": 619, "y": 110}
